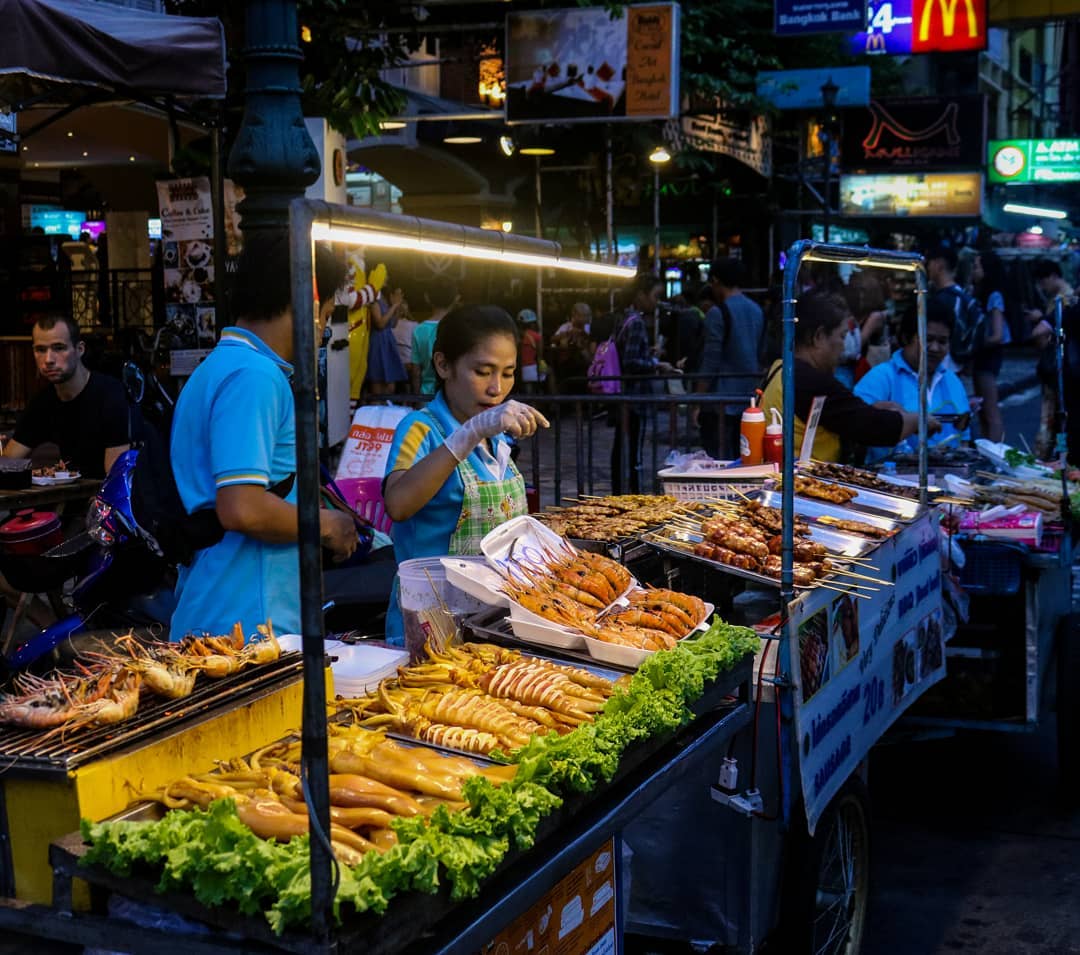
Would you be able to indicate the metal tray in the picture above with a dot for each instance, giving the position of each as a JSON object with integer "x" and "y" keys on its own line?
{"x": 812, "y": 508}
{"x": 691, "y": 538}
{"x": 895, "y": 508}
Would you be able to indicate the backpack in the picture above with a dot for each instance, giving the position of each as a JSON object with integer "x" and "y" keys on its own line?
{"x": 606, "y": 365}
{"x": 969, "y": 325}
{"x": 163, "y": 522}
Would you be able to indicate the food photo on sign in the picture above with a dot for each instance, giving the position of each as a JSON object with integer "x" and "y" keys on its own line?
{"x": 844, "y": 630}
{"x": 814, "y": 653}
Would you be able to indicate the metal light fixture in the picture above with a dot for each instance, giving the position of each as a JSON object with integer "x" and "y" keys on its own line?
{"x": 1039, "y": 212}
{"x": 507, "y": 225}
{"x": 448, "y": 239}
{"x": 462, "y": 140}
{"x": 536, "y": 151}
{"x": 388, "y": 124}
{"x": 659, "y": 156}
{"x": 506, "y": 144}
{"x": 829, "y": 91}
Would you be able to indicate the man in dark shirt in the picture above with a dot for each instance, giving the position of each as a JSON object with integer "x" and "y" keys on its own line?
{"x": 85, "y": 413}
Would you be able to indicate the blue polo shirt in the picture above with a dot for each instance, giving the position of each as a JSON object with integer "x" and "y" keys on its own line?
{"x": 895, "y": 380}
{"x": 427, "y": 533}
{"x": 234, "y": 424}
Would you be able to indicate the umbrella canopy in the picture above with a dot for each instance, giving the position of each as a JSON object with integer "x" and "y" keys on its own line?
{"x": 55, "y": 51}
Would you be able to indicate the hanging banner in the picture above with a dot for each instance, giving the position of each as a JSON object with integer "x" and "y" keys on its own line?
{"x": 925, "y": 132}
{"x": 717, "y": 128}
{"x": 187, "y": 250}
{"x": 796, "y": 17}
{"x": 583, "y": 65}
{"x": 860, "y": 663}
{"x": 903, "y": 27}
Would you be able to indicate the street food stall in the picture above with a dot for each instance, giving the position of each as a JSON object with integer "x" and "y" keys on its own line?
{"x": 672, "y": 742}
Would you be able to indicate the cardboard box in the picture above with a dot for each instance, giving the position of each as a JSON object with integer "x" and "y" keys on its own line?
{"x": 577, "y": 917}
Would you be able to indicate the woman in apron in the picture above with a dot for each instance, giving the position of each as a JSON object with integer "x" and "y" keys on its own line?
{"x": 449, "y": 478}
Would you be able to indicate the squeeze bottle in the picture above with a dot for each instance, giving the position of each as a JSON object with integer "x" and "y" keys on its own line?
{"x": 773, "y": 445}
{"x": 752, "y": 433}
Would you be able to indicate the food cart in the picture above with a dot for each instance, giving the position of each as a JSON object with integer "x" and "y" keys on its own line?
{"x": 749, "y": 819}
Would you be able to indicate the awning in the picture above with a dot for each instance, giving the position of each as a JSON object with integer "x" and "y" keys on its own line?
{"x": 55, "y": 52}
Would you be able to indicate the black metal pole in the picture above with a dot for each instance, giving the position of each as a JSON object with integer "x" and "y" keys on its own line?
{"x": 217, "y": 203}
{"x": 314, "y": 762}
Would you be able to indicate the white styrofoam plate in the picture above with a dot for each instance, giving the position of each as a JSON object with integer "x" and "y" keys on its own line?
{"x": 632, "y": 656}
{"x": 473, "y": 575}
{"x": 547, "y": 634}
{"x": 521, "y": 538}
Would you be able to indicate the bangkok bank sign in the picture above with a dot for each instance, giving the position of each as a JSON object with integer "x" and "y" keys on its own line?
{"x": 948, "y": 26}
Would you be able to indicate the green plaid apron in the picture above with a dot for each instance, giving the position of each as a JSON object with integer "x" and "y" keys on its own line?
{"x": 486, "y": 504}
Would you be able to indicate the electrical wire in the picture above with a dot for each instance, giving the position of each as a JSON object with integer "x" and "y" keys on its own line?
{"x": 318, "y": 833}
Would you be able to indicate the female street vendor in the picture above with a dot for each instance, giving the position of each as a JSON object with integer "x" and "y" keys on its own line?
{"x": 846, "y": 420}
{"x": 897, "y": 381}
{"x": 449, "y": 478}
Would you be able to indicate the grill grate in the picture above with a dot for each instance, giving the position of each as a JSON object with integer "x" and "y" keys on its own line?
{"x": 24, "y": 751}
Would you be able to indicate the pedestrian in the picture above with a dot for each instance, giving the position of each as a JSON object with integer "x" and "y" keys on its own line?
{"x": 636, "y": 359}
{"x": 532, "y": 365}
{"x": 866, "y": 343}
{"x": 449, "y": 476}
{"x": 988, "y": 282}
{"x": 969, "y": 325}
{"x": 404, "y": 329}
{"x": 385, "y": 369}
{"x": 234, "y": 453}
{"x": 731, "y": 357}
{"x": 1052, "y": 286}
{"x": 572, "y": 350}
{"x": 442, "y": 295}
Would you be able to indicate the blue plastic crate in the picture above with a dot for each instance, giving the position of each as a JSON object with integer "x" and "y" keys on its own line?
{"x": 992, "y": 567}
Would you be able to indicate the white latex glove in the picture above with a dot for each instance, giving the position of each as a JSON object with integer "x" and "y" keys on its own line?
{"x": 513, "y": 418}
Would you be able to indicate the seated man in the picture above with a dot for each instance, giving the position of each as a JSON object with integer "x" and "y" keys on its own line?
{"x": 84, "y": 412}
{"x": 897, "y": 380}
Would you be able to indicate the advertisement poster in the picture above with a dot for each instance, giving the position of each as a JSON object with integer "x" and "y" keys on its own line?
{"x": 917, "y": 133}
{"x": 796, "y": 17}
{"x": 717, "y": 128}
{"x": 583, "y": 65}
{"x": 912, "y": 194}
{"x": 187, "y": 250}
{"x": 862, "y": 661}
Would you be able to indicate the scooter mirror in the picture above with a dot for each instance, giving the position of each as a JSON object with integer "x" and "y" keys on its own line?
{"x": 134, "y": 382}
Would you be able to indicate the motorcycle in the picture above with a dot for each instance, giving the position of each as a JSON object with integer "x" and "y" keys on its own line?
{"x": 124, "y": 586}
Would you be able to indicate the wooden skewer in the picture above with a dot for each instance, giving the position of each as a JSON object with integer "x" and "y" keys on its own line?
{"x": 840, "y": 590}
{"x": 831, "y": 572}
{"x": 876, "y": 580}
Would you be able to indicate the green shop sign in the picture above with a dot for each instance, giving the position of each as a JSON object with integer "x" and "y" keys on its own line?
{"x": 1034, "y": 160}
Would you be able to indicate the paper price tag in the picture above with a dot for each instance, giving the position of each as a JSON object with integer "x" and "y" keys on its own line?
{"x": 811, "y": 428}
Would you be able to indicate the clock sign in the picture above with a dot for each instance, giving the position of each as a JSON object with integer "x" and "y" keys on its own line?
{"x": 1009, "y": 162}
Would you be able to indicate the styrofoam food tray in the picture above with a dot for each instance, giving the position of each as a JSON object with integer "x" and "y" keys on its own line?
{"x": 631, "y": 656}
{"x": 521, "y": 538}
{"x": 547, "y": 634}
{"x": 473, "y": 576}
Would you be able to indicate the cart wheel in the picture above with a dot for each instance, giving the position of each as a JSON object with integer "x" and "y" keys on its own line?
{"x": 1068, "y": 708}
{"x": 828, "y": 882}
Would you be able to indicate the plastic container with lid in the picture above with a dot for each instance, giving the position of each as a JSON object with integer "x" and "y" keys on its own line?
{"x": 772, "y": 448}
{"x": 752, "y": 433}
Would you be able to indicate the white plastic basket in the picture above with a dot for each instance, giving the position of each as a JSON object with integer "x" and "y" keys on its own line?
{"x": 696, "y": 486}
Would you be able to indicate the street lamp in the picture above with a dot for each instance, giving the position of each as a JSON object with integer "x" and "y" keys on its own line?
{"x": 657, "y": 157}
{"x": 828, "y": 129}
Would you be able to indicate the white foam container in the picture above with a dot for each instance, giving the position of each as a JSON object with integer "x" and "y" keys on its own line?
{"x": 473, "y": 576}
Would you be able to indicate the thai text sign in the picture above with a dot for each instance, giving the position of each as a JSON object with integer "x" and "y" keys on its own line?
{"x": 818, "y": 16}
{"x": 860, "y": 662}
{"x": 583, "y": 65}
{"x": 900, "y": 27}
{"x": 1034, "y": 160}
{"x": 922, "y": 133}
{"x": 912, "y": 194}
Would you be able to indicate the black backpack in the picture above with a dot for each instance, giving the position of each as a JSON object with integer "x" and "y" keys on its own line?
{"x": 969, "y": 322}
{"x": 165, "y": 525}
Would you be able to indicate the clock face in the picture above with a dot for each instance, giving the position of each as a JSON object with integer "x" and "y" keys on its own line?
{"x": 1009, "y": 161}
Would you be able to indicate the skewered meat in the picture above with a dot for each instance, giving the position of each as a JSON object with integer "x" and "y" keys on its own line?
{"x": 854, "y": 527}
{"x": 804, "y": 550}
{"x": 802, "y": 574}
{"x": 725, "y": 555}
{"x": 736, "y": 541}
{"x": 860, "y": 478}
{"x": 833, "y": 493}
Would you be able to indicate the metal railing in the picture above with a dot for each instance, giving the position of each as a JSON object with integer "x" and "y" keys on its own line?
{"x": 113, "y": 299}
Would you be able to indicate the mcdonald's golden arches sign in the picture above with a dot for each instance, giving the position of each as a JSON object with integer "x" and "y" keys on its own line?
{"x": 948, "y": 26}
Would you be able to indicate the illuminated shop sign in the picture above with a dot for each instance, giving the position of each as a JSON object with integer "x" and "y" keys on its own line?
{"x": 900, "y": 27}
{"x": 1033, "y": 160}
{"x": 912, "y": 194}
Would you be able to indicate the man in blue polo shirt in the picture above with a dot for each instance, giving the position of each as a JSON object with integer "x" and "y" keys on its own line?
{"x": 234, "y": 450}
{"x": 897, "y": 380}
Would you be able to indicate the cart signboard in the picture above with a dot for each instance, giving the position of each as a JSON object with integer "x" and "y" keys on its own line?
{"x": 863, "y": 662}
